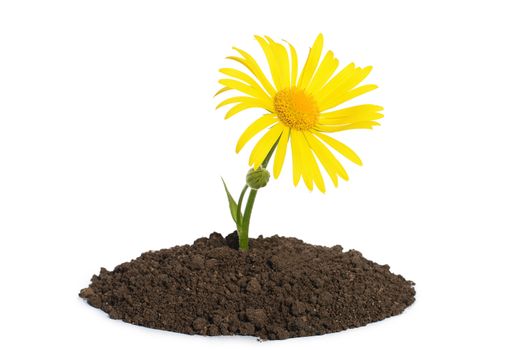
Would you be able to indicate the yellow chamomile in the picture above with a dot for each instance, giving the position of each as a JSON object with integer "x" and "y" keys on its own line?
{"x": 301, "y": 108}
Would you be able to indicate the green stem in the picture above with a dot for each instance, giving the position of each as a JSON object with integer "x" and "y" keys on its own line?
{"x": 243, "y": 237}
{"x": 243, "y": 230}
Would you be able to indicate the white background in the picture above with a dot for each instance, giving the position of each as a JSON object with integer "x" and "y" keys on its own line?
{"x": 110, "y": 145}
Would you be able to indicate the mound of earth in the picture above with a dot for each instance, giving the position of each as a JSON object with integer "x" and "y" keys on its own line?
{"x": 281, "y": 288}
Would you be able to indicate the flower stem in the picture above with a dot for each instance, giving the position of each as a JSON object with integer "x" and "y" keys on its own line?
{"x": 240, "y": 201}
{"x": 243, "y": 230}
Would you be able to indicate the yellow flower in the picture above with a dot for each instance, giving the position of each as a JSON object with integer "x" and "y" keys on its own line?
{"x": 301, "y": 108}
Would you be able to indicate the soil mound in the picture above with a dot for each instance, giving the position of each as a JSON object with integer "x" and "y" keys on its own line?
{"x": 281, "y": 288}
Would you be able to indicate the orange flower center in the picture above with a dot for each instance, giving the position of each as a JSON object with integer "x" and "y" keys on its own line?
{"x": 296, "y": 109}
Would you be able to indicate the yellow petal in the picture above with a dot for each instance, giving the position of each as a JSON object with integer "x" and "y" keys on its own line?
{"x": 353, "y": 79}
{"x": 338, "y": 99}
{"x": 351, "y": 114}
{"x": 340, "y": 147}
{"x": 235, "y": 73}
{"x": 224, "y": 89}
{"x": 253, "y": 129}
{"x": 307, "y": 169}
{"x": 335, "y": 81}
{"x": 264, "y": 145}
{"x": 247, "y": 89}
{"x": 249, "y": 62}
{"x": 324, "y": 72}
{"x": 335, "y": 128}
{"x": 314, "y": 167}
{"x": 281, "y": 56}
{"x": 280, "y": 153}
{"x": 332, "y": 166}
{"x": 247, "y": 99}
{"x": 301, "y": 149}
{"x": 239, "y": 108}
{"x": 311, "y": 62}
{"x": 273, "y": 62}
{"x": 296, "y": 157}
{"x": 345, "y": 80}
{"x": 294, "y": 65}
{"x": 359, "y": 75}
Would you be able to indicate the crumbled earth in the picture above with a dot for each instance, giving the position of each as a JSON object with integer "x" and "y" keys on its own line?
{"x": 281, "y": 288}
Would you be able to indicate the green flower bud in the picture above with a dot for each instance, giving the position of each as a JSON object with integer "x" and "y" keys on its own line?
{"x": 257, "y": 178}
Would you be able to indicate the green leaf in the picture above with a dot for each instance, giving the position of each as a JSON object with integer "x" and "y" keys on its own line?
{"x": 233, "y": 207}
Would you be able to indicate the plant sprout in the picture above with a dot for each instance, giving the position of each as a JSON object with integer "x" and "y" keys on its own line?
{"x": 300, "y": 110}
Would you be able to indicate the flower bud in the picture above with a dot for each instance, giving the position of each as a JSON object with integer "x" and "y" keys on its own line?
{"x": 257, "y": 178}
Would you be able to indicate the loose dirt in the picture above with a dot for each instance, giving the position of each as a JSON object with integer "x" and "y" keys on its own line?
{"x": 281, "y": 288}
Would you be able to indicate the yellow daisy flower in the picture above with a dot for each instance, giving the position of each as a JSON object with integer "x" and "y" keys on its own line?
{"x": 300, "y": 109}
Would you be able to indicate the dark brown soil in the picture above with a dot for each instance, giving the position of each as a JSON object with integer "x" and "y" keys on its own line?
{"x": 281, "y": 288}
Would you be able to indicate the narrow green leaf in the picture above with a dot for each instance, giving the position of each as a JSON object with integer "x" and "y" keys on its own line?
{"x": 233, "y": 207}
